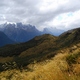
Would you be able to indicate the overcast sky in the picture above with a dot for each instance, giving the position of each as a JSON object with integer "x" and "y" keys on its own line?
{"x": 63, "y": 14}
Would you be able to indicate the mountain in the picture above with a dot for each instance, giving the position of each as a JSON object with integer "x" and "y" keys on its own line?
{"x": 44, "y": 57}
{"x": 42, "y": 43}
{"x": 53, "y": 31}
{"x": 40, "y": 48}
{"x": 56, "y": 57}
{"x": 21, "y": 33}
{"x": 17, "y": 49}
{"x": 69, "y": 37}
{"x": 25, "y": 53}
{"x": 4, "y": 40}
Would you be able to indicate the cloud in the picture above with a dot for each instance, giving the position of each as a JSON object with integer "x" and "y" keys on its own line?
{"x": 67, "y": 20}
{"x": 41, "y": 13}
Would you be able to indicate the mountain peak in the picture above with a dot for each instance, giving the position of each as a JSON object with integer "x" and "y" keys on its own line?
{"x": 20, "y": 32}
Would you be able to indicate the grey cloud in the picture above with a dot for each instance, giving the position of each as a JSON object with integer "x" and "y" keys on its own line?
{"x": 28, "y": 11}
{"x": 74, "y": 25}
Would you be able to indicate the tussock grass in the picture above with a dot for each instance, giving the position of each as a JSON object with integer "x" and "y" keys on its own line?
{"x": 57, "y": 68}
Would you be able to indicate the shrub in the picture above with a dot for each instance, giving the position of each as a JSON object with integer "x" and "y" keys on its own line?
{"x": 71, "y": 59}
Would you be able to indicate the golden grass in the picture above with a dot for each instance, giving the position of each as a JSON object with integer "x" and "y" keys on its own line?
{"x": 5, "y": 59}
{"x": 56, "y": 68}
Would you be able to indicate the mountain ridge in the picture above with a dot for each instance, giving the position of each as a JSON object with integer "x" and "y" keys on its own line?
{"x": 4, "y": 40}
{"x": 70, "y": 37}
{"x": 24, "y": 32}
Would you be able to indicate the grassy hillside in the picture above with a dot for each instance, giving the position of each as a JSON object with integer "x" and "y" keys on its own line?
{"x": 69, "y": 38}
{"x": 44, "y": 57}
{"x": 16, "y": 49}
{"x": 61, "y": 67}
{"x": 23, "y": 54}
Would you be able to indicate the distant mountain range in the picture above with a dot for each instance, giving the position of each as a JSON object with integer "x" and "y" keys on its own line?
{"x": 53, "y": 31}
{"x": 4, "y": 40}
{"x": 19, "y": 32}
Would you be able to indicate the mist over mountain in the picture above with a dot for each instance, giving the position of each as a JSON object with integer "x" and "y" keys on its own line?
{"x": 21, "y": 33}
{"x": 53, "y": 31}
